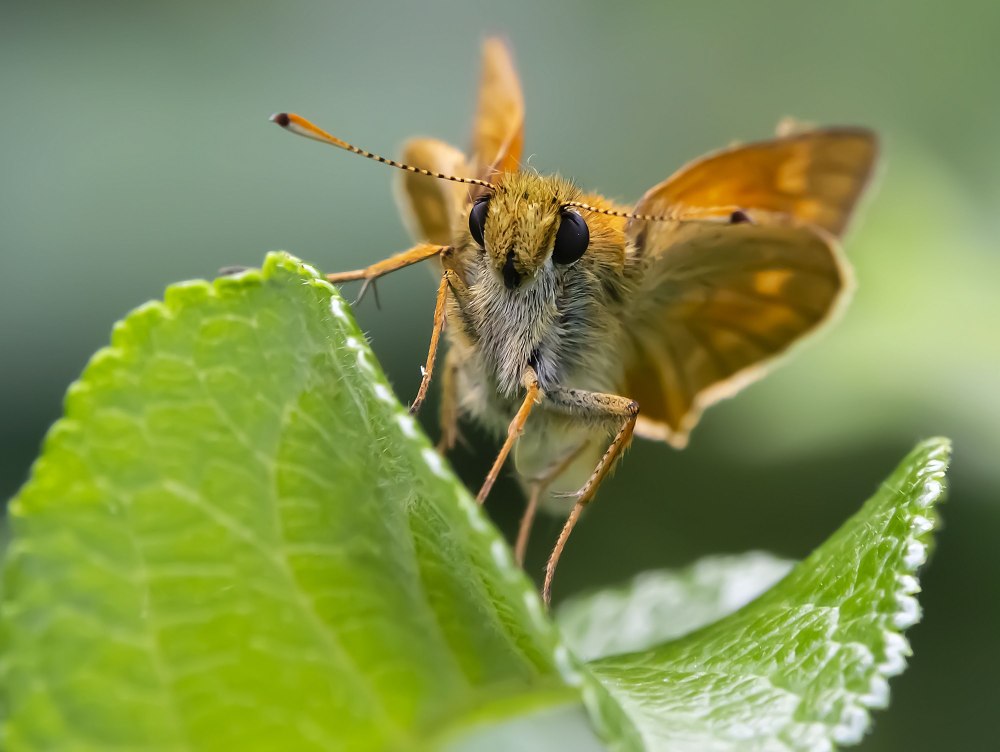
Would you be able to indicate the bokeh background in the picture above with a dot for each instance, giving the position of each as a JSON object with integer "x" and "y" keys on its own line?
{"x": 136, "y": 151}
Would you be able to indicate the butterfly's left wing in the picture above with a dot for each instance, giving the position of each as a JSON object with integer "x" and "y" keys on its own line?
{"x": 719, "y": 301}
{"x": 810, "y": 177}
{"x": 718, "y": 304}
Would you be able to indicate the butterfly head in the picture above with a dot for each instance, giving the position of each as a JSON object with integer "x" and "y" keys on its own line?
{"x": 522, "y": 225}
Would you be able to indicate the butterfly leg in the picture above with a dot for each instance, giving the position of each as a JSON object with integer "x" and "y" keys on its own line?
{"x": 449, "y": 381}
{"x": 599, "y": 409}
{"x": 537, "y": 490}
{"x": 448, "y": 416}
{"x": 369, "y": 274}
{"x": 527, "y": 521}
{"x": 532, "y": 396}
{"x": 428, "y": 369}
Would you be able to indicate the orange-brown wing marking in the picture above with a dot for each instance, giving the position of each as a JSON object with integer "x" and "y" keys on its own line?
{"x": 813, "y": 177}
{"x": 716, "y": 307}
{"x": 498, "y": 128}
{"x": 429, "y": 205}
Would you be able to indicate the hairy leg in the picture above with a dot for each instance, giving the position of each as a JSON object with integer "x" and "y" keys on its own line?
{"x": 369, "y": 274}
{"x": 533, "y": 395}
{"x": 537, "y": 490}
{"x": 428, "y": 369}
{"x": 449, "y": 404}
{"x": 599, "y": 409}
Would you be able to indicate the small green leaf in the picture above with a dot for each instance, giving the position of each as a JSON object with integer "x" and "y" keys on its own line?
{"x": 237, "y": 539}
{"x": 663, "y": 605}
{"x": 800, "y": 667}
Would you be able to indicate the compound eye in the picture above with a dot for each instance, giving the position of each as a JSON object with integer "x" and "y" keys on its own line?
{"x": 572, "y": 238}
{"x": 477, "y": 219}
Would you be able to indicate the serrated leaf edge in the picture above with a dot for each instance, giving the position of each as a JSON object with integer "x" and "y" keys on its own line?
{"x": 856, "y": 720}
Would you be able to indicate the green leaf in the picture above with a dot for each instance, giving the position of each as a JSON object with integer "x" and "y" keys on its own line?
{"x": 800, "y": 667}
{"x": 663, "y": 605}
{"x": 236, "y": 538}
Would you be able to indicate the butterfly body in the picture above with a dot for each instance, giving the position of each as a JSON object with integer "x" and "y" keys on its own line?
{"x": 557, "y": 317}
{"x": 565, "y": 321}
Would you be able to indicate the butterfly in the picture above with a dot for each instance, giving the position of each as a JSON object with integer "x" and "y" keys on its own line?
{"x": 574, "y": 322}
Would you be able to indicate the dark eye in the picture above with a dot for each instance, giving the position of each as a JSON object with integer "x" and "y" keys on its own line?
{"x": 572, "y": 238}
{"x": 477, "y": 219}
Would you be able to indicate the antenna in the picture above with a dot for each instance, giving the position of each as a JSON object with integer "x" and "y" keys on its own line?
{"x": 708, "y": 215}
{"x": 300, "y": 126}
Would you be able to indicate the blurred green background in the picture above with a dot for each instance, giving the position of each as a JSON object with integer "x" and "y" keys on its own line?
{"x": 136, "y": 152}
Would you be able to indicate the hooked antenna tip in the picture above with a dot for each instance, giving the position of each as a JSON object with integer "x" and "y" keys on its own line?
{"x": 281, "y": 118}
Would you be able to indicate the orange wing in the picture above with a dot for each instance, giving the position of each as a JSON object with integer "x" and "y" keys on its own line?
{"x": 814, "y": 177}
{"x": 430, "y": 205}
{"x": 719, "y": 302}
{"x": 498, "y": 128}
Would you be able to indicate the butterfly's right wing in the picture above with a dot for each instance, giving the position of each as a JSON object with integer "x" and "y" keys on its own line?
{"x": 430, "y": 205}
{"x": 498, "y": 127}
